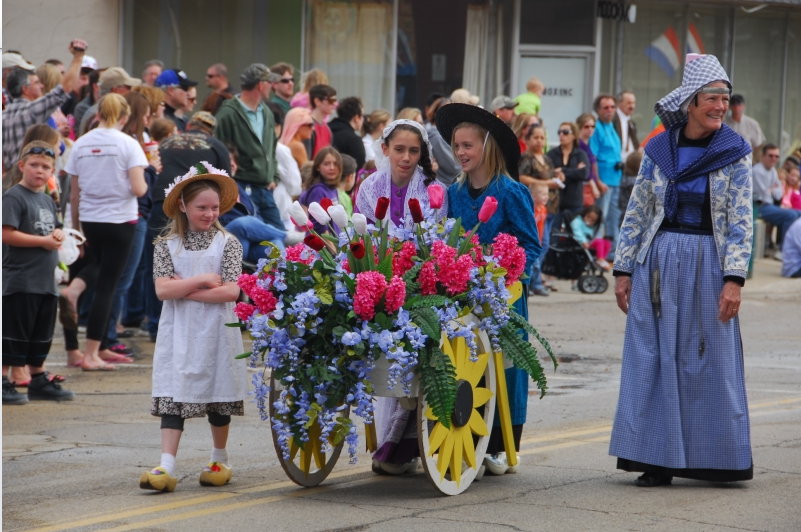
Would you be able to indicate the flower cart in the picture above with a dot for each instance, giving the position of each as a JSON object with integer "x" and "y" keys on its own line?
{"x": 421, "y": 315}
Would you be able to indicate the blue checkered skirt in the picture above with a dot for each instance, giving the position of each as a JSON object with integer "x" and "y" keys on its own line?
{"x": 681, "y": 407}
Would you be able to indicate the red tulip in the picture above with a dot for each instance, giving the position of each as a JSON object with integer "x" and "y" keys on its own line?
{"x": 436, "y": 196}
{"x": 314, "y": 242}
{"x": 488, "y": 209}
{"x": 381, "y": 208}
{"x": 417, "y": 212}
{"x": 325, "y": 203}
{"x": 357, "y": 249}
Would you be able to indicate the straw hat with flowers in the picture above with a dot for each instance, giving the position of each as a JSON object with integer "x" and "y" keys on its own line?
{"x": 199, "y": 172}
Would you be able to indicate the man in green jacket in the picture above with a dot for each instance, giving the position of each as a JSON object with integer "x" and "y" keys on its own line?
{"x": 247, "y": 123}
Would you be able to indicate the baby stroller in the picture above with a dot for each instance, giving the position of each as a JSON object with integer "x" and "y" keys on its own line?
{"x": 567, "y": 259}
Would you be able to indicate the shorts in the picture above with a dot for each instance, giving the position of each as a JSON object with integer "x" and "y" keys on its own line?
{"x": 28, "y": 324}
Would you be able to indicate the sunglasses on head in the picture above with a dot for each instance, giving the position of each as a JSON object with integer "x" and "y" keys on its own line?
{"x": 36, "y": 150}
{"x": 565, "y": 132}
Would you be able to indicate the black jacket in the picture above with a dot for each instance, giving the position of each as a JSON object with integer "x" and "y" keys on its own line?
{"x": 573, "y": 193}
{"x": 346, "y": 140}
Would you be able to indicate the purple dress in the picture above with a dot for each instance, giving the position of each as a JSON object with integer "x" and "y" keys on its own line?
{"x": 397, "y": 200}
{"x": 317, "y": 192}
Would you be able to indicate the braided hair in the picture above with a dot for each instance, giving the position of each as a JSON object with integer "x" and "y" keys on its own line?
{"x": 425, "y": 157}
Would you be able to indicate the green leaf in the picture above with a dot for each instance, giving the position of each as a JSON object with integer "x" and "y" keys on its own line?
{"x": 521, "y": 322}
{"x": 324, "y": 294}
{"x": 522, "y": 354}
{"x": 339, "y": 330}
{"x": 453, "y": 238}
{"x": 331, "y": 238}
{"x": 317, "y": 276}
{"x": 385, "y": 266}
{"x": 369, "y": 254}
{"x": 243, "y": 355}
{"x": 438, "y": 381}
{"x": 426, "y": 301}
{"x": 234, "y": 325}
{"x": 411, "y": 275}
{"x": 428, "y": 321}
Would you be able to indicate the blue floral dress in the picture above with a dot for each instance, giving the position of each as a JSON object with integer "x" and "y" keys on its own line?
{"x": 515, "y": 216}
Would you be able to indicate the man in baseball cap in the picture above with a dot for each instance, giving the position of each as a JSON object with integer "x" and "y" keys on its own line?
{"x": 12, "y": 61}
{"x": 504, "y": 108}
{"x": 175, "y": 83}
{"x": 114, "y": 79}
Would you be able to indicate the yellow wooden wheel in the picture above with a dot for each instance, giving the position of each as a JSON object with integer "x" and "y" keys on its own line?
{"x": 452, "y": 455}
{"x": 310, "y": 466}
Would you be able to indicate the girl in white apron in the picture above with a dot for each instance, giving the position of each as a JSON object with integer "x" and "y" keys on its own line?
{"x": 195, "y": 373}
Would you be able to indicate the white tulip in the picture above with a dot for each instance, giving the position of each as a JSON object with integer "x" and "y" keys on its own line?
{"x": 298, "y": 215}
{"x": 338, "y": 214}
{"x": 318, "y": 213}
{"x": 359, "y": 222}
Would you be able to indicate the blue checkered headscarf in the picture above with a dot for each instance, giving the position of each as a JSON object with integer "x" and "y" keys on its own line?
{"x": 698, "y": 73}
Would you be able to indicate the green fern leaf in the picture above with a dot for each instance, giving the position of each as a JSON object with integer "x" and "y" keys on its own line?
{"x": 438, "y": 381}
{"x": 411, "y": 275}
{"x": 523, "y": 355}
{"x": 521, "y": 322}
{"x": 426, "y": 301}
{"x": 428, "y": 321}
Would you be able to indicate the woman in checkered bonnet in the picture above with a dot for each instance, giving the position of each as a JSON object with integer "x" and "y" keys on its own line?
{"x": 680, "y": 264}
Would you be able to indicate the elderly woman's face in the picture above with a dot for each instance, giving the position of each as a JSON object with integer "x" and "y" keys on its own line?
{"x": 710, "y": 110}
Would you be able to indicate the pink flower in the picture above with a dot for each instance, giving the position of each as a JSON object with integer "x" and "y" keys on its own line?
{"x": 436, "y": 196}
{"x": 452, "y": 272}
{"x": 428, "y": 279}
{"x": 298, "y": 253}
{"x": 264, "y": 299}
{"x": 396, "y": 295}
{"x": 488, "y": 209}
{"x": 244, "y": 311}
{"x": 370, "y": 287}
{"x": 402, "y": 260}
{"x": 510, "y": 256}
{"x": 246, "y": 282}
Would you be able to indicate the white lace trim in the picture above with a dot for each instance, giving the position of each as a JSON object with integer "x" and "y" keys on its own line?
{"x": 378, "y": 185}
{"x": 381, "y": 160}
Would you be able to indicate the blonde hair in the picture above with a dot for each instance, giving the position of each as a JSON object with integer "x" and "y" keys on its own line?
{"x": 520, "y": 123}
{"x": 179, "y": 226}
{"x": 36, "y": 136}
{"x": 374, "y": 119}
{"x": 112, "y": 107}
{"x": 534, "y": 85}
{"x": 410, "y": 113}
{"x": 492, "y": 156}
{"x": 314, "y": 77}
{"x": 49, "y": 75}
{"x": 153, "y": 95}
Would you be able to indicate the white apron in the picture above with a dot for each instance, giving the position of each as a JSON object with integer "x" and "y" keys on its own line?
{"x": 194, "y": 357}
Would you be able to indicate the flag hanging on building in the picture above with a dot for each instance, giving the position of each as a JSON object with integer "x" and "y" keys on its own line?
{"x": 665, "y": 49}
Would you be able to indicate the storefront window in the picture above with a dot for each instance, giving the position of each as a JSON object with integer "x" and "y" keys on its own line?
{"x": 791, "y": 136}
{"x": 352, "y": 43}
{"x": 758, "y": 67}
{"x": 710, "y": 33}
{"x": 653, "y": 57}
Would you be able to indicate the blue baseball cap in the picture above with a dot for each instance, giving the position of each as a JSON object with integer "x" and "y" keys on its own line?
{"x": 174, "y": 78}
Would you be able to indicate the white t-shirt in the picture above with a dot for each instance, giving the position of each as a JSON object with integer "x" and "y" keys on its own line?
{"x": 289, "y": 185}
{"x": 101, "y": 160}
{"x": 369, "y": 151}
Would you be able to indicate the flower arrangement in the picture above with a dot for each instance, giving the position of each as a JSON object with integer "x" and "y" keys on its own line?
{"x": 325, "y": 310}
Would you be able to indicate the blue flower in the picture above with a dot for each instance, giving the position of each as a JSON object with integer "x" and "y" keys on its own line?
{"x": 351, "y": 338}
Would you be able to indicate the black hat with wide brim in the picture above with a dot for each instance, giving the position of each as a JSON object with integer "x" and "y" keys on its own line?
{"x": 451, "y": 115}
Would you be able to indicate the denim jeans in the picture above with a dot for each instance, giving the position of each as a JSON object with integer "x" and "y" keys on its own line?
{"x": 133, "y": 304}
{"x": 250, "y": 231}
{"x": 263, "y": 200}
{"x": 611, "y": 213}
{"x": 781, "y": 218}
{"x": 126, "y": 279}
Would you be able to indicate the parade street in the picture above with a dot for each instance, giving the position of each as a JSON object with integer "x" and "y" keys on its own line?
{"x": 76, "y": 465}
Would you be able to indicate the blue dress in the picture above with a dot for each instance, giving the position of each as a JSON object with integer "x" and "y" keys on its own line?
{"x": 515, "y": 216}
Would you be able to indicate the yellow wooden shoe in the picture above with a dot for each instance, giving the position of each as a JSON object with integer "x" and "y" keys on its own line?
{"x": 215, "y": 474}
{"x": 157, "y": 479}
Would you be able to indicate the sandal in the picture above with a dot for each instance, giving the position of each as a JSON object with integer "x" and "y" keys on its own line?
{"x": 118, "y": 359}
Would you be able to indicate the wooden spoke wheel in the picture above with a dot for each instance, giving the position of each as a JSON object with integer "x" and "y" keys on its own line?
{"x": 311, "y": 466}
{"x": 452, "y": 455}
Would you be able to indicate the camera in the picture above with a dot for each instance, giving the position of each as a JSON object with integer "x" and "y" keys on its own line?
{"x": 619, "y": 165}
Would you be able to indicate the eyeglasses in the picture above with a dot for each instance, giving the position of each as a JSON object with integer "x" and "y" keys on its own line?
{"x": 286, "y": 80}
{"x": 36, "y": 150}
{"x": 332, "y": 99}
{"x": 565, "y": 132}
{"x": 588, "y": 126}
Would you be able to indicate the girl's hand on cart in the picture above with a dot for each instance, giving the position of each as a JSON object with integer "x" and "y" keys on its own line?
{"x": 623, "y": 292}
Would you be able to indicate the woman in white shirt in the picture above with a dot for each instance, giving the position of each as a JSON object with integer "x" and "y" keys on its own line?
{"x": 373, "y": 127}
{"x": 107, "y": 169}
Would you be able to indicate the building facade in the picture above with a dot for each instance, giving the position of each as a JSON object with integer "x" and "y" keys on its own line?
{"x": 394, "y": 53}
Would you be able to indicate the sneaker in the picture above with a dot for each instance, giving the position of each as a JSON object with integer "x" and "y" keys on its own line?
{"x": 120, "y": 349}
{"x": 158, "y": 479}
{"x": 43, "y": 388}
{"x": 388, "y": 468}
{"x": 215, "y": 474}
{"x": 496, "y": 463}
{"x": 541, "y": 292}
{"x": 10, "y": 394}
{"x": 515, "y": 468}
{"x": 778, "y": 255}
{"x": 604, "y": 265}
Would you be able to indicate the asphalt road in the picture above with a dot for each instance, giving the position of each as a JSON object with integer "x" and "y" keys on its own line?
{"x": 75, "y": 466}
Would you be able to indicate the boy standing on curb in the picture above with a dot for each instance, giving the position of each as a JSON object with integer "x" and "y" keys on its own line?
{"x": 31, "y": 238}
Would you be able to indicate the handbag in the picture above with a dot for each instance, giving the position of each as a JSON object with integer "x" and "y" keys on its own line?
{"x": 68, "y": 253}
